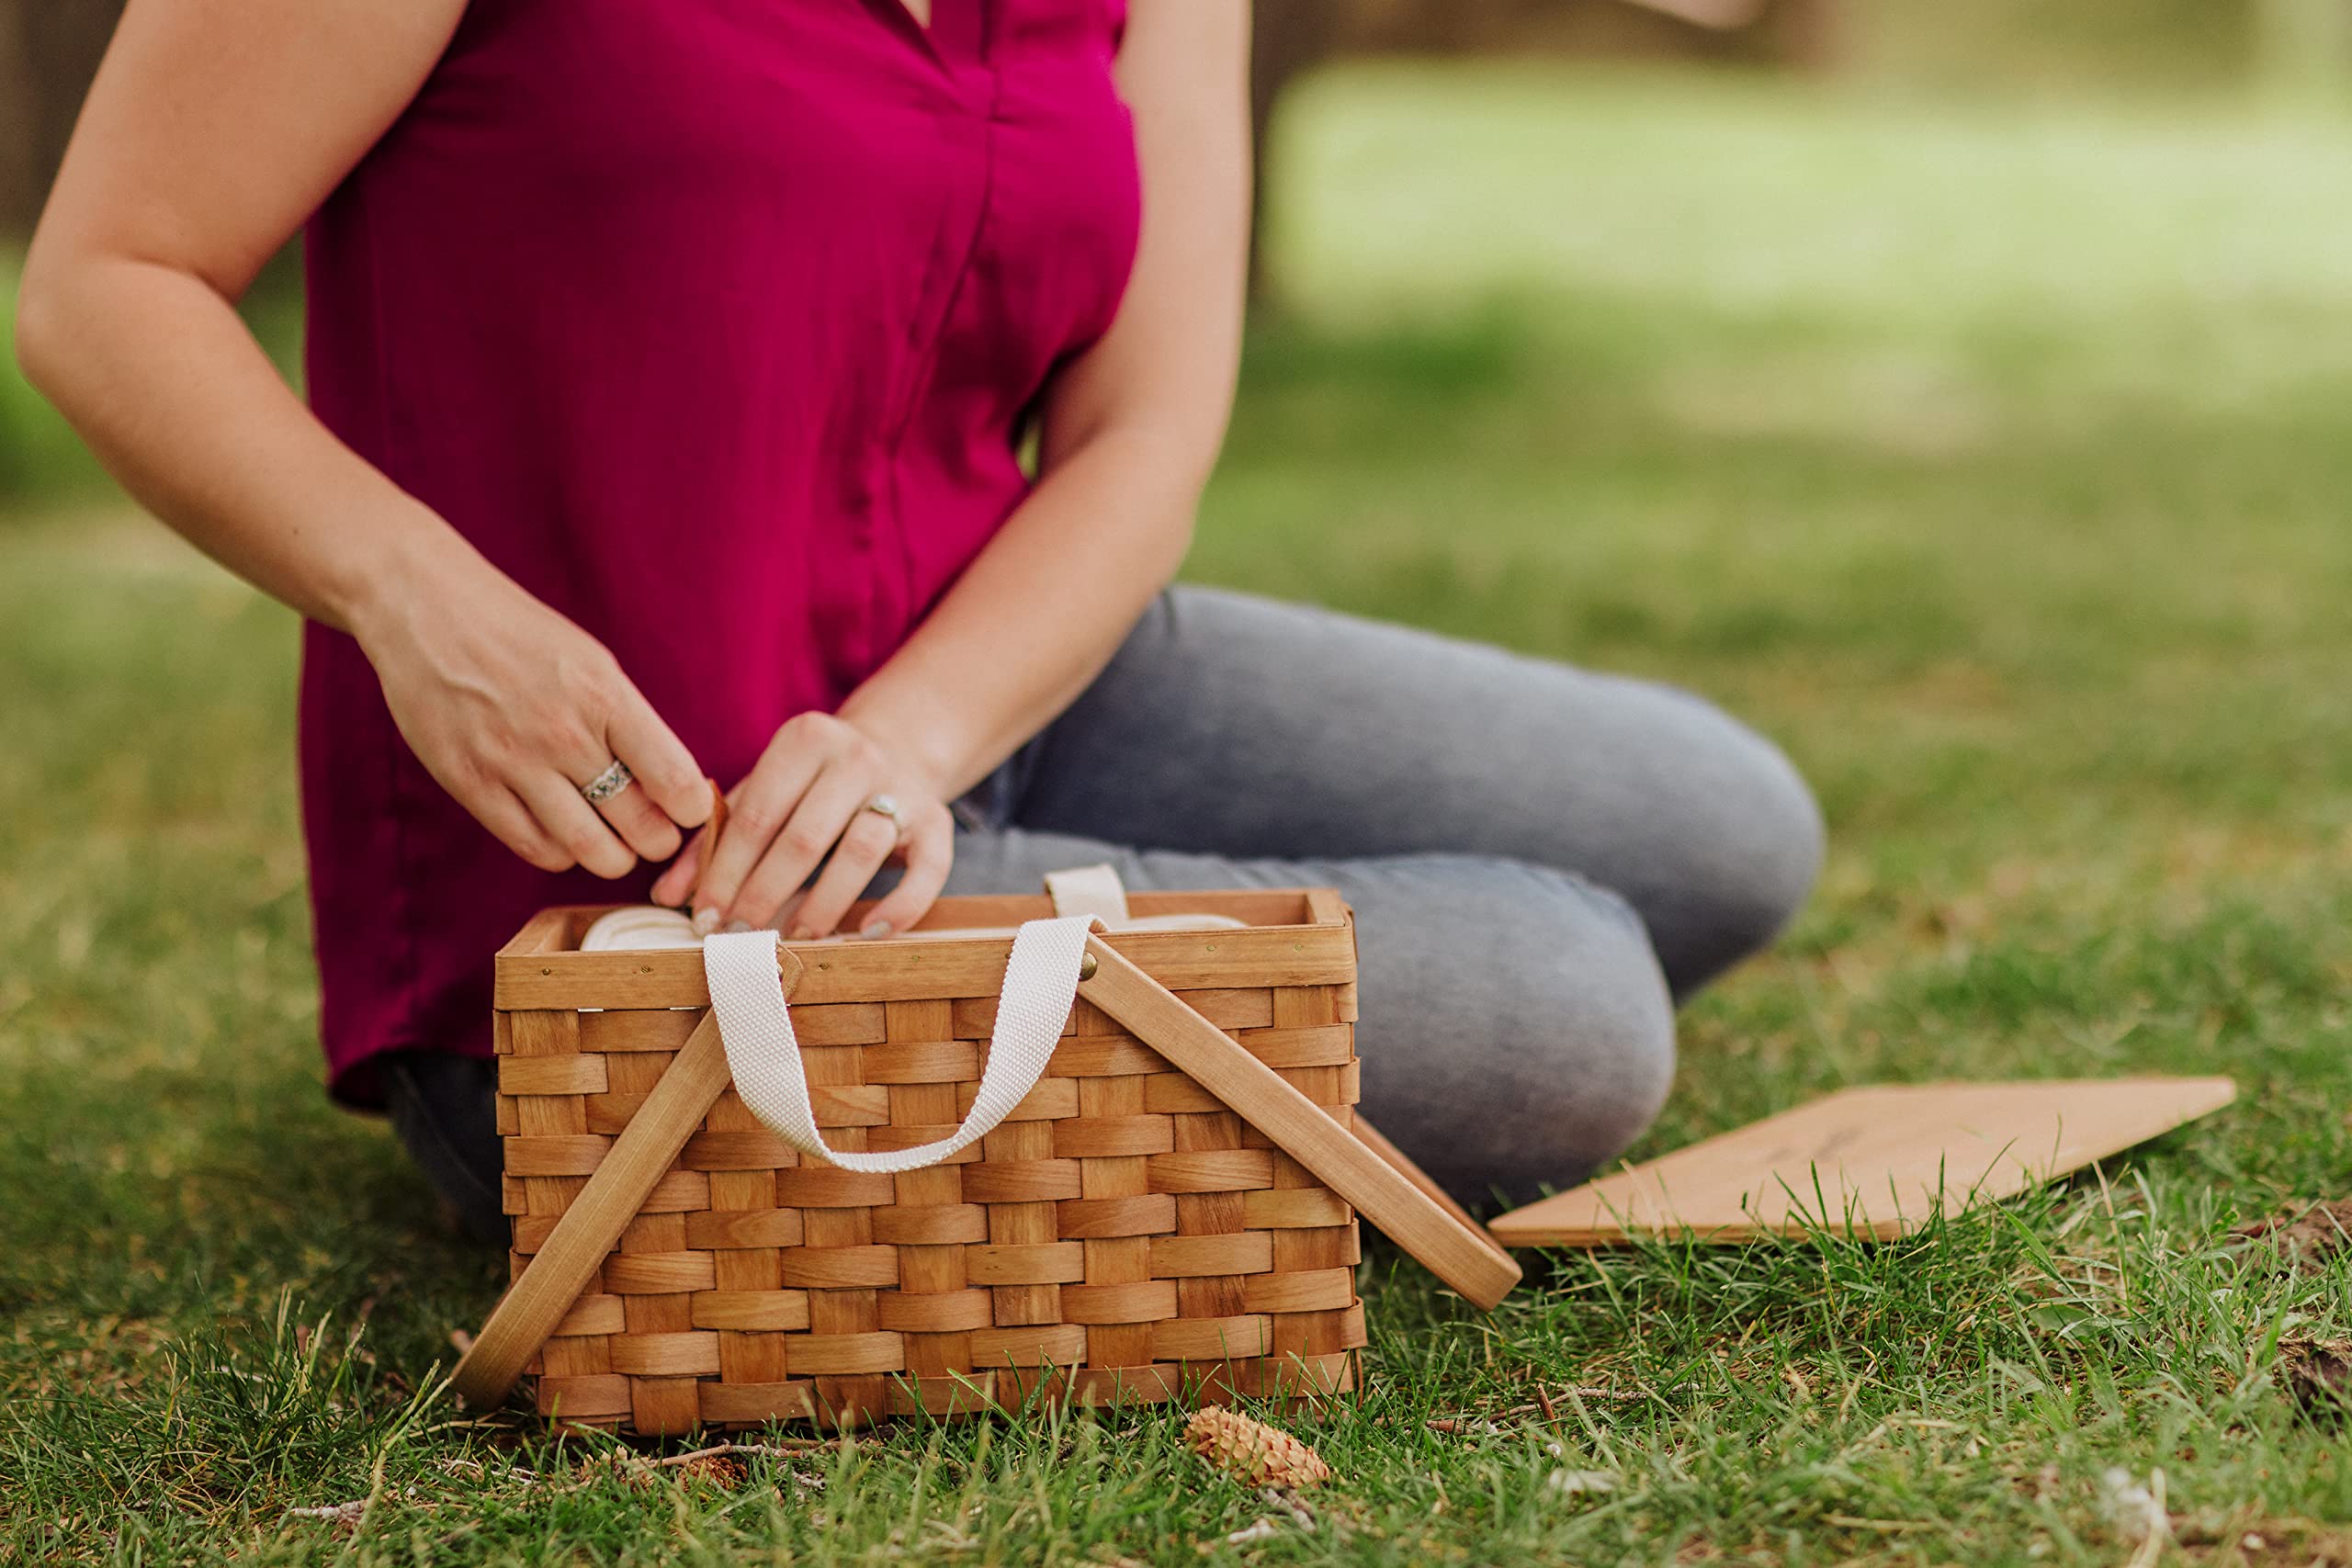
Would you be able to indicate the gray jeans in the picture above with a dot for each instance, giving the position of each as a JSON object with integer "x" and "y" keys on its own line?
{"x": 1541, "y": 861}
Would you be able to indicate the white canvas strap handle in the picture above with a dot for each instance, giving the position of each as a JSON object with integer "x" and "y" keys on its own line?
{"x": 746, "y": 996}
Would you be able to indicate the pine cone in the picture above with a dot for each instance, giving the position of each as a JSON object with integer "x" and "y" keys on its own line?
{"x": 1252, "y": 1451}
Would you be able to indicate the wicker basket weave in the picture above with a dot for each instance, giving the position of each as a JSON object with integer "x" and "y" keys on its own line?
{"x": 1125, "y": 1235}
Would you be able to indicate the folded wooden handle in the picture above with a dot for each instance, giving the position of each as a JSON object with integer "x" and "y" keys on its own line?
{"x": 1440, "y": 1235}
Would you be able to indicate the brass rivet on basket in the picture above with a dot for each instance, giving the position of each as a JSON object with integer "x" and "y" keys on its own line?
{"x": 1086, "y": 966}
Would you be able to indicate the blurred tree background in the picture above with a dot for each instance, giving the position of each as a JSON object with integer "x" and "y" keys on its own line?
{"x": 48, "y": 48}
{"x": 2284, "y": 48}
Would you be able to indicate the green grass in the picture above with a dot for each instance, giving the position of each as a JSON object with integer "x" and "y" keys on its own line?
{"x": 1993, "y": 459}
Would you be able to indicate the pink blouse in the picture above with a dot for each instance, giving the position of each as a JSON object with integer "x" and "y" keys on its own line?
{"x": 714, "y": 322}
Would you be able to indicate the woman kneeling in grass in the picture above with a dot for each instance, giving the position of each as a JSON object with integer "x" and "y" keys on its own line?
{"x": 669, "y": 371}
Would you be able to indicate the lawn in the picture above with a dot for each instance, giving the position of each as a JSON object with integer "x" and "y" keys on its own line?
{"x": 1994, "y": 459}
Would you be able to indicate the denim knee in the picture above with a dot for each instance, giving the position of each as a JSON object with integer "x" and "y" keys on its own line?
{"x": 1601, "y": 1018}
{"x": 1745, "y": 862}
{"x": 1518, "y": 1035}
{"x": 1790, "y": 840}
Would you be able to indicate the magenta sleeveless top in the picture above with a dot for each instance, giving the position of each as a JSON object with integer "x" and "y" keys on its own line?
{"x": 714, "y": 322}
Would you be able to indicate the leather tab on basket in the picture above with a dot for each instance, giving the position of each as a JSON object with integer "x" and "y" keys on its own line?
{"x": 1093, "y": 890}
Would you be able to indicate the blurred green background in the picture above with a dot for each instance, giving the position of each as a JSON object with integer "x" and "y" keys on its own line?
{"x": 1958, "y": 392}
{"x": 2199, "y": 69}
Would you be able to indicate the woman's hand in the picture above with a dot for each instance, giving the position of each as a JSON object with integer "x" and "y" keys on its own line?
{"x": 214, "y": 130}
{"x": 513, "y": 709}
{"x": 805, "y": 801}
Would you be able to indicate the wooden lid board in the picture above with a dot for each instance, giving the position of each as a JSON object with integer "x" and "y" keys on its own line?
{"x": 1869, "y": 1163}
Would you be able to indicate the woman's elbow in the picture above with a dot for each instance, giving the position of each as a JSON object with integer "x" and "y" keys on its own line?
{"x": 36, "y": 329}
{"x": 49, "y": 304}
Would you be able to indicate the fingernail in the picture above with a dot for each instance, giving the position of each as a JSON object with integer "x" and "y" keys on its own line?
{"x": 876, "y": 930}
{"x": 802, "y": 933}
{"x": 705, "y": 921}
{"x": 737, "y": 928}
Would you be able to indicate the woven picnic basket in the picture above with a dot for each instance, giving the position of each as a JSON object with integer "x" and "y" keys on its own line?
{"x": 1167, "y": 1210}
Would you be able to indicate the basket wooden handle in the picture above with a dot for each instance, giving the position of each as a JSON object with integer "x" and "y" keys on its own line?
{"x": 582, "y": 1238}
{"x": 1454, "y": 1249}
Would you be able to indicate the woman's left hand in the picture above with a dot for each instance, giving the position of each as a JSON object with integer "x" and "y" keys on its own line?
{"x": 805, "y": 805}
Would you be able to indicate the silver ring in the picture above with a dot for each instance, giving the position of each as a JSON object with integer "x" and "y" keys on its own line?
{"x": 608, "y": 784}
{"x": 886, "y": 805}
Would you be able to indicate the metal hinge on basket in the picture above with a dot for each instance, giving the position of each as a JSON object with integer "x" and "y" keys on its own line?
{"x": 1361, "y": 1167}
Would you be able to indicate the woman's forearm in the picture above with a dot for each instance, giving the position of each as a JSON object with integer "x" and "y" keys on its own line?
{"x": 506, "y": 703}
{"x": 1035, "y": 617}
{"x": 159, "y": 375}
{"x": 214, "y": 128}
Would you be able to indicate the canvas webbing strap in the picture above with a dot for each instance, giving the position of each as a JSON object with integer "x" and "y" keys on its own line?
{"x": 1040, "y": 980}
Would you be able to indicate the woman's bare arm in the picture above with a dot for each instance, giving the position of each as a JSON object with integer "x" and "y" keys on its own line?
{"x": 1132, "y": 430}
{"x": 214, "y": 128}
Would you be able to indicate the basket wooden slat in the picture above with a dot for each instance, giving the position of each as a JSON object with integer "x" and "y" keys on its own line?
{"x": 1125, "y": 1235}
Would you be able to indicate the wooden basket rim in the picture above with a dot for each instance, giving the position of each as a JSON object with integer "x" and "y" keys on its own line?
{"x": 539, "y": 968}
{"x": 548, "y": 934}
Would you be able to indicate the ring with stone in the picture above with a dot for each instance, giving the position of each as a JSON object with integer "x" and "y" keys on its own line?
{"x": 608, "y": 784}
{"x": 886, "y": 805}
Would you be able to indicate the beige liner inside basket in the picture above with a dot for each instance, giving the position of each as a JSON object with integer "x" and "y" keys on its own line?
{"x": 1093, "y": 890}
{"x": 649, "y": 928}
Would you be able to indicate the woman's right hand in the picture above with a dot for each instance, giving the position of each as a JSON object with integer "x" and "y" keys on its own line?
{"x": 513, "y": 709}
